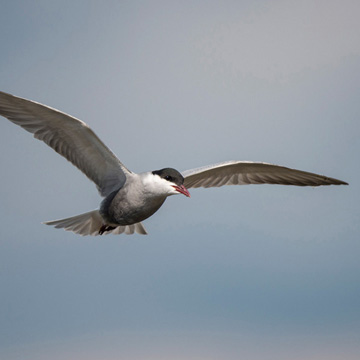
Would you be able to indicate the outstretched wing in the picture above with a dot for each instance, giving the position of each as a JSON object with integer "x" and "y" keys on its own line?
{"x": 70, "y": 137}
{"x": 247, "y": 172}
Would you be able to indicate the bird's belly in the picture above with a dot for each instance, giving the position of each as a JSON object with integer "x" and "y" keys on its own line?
{"x": 121, "y": 211}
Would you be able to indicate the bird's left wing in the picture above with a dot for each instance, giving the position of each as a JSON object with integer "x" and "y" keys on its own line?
{"x": 70, "y": 137}
{"x": 247, "y": 172}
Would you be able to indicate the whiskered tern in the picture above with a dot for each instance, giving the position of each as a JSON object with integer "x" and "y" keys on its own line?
{"x": 130, "y": 198}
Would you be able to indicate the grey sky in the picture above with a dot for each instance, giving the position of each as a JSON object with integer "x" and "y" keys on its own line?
{"x": 255, "y": 272}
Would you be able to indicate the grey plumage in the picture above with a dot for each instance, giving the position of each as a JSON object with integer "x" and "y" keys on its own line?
{"x": 247, "y": 172}
{"x": 70, "y": 137}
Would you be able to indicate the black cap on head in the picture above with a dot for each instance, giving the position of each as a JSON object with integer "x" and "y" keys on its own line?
{"x": 171, "y": 175}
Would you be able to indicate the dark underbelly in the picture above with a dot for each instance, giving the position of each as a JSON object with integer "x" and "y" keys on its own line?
{"x": 121, "y": 213}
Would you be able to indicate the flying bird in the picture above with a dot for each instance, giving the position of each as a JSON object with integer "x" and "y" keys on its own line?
{"x": 130, "y": 198}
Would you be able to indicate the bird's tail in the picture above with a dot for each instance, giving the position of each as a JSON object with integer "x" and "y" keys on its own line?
{"x": 91, "y": 223}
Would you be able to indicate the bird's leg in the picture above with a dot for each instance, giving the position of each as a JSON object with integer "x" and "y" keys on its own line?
{"x": 105, "y": 227}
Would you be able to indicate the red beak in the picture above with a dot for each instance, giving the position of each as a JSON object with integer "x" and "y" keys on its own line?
{"x": 182, "y": 189}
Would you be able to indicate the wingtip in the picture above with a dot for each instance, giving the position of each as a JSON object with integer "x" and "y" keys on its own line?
{"x": 340, "y": 182}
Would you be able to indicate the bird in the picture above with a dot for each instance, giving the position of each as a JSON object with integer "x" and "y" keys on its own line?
{"x": 130, "y": 198}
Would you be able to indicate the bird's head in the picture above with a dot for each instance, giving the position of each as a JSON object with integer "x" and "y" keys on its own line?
{"x": 171, "y": 181}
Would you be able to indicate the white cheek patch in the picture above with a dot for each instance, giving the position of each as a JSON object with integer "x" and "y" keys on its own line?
{"x": 155, "y": 185}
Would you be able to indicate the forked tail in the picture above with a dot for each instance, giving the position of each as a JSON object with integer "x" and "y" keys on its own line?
{"x": 91, "y": 223}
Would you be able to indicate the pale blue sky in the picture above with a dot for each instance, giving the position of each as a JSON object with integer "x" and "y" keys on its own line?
{"x": 253, "y": 272}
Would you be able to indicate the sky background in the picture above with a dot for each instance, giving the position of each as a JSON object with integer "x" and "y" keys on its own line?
{"x": 252, "y": 272}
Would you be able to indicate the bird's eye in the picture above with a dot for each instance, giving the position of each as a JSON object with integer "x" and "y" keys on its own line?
{"x": 168, "y": 178}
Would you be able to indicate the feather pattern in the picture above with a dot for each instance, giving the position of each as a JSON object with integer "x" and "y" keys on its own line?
{"x": 90, "y": 223}
{"x": 70, "y": 137}
{"x": 247, "y": 172}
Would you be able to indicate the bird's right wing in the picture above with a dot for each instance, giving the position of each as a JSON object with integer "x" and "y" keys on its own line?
{"x": 70, "y": 137}
{"x": 247, "y": 172}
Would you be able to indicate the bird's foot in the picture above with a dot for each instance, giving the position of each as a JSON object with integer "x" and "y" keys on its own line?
{"x": 105, "y": 228}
